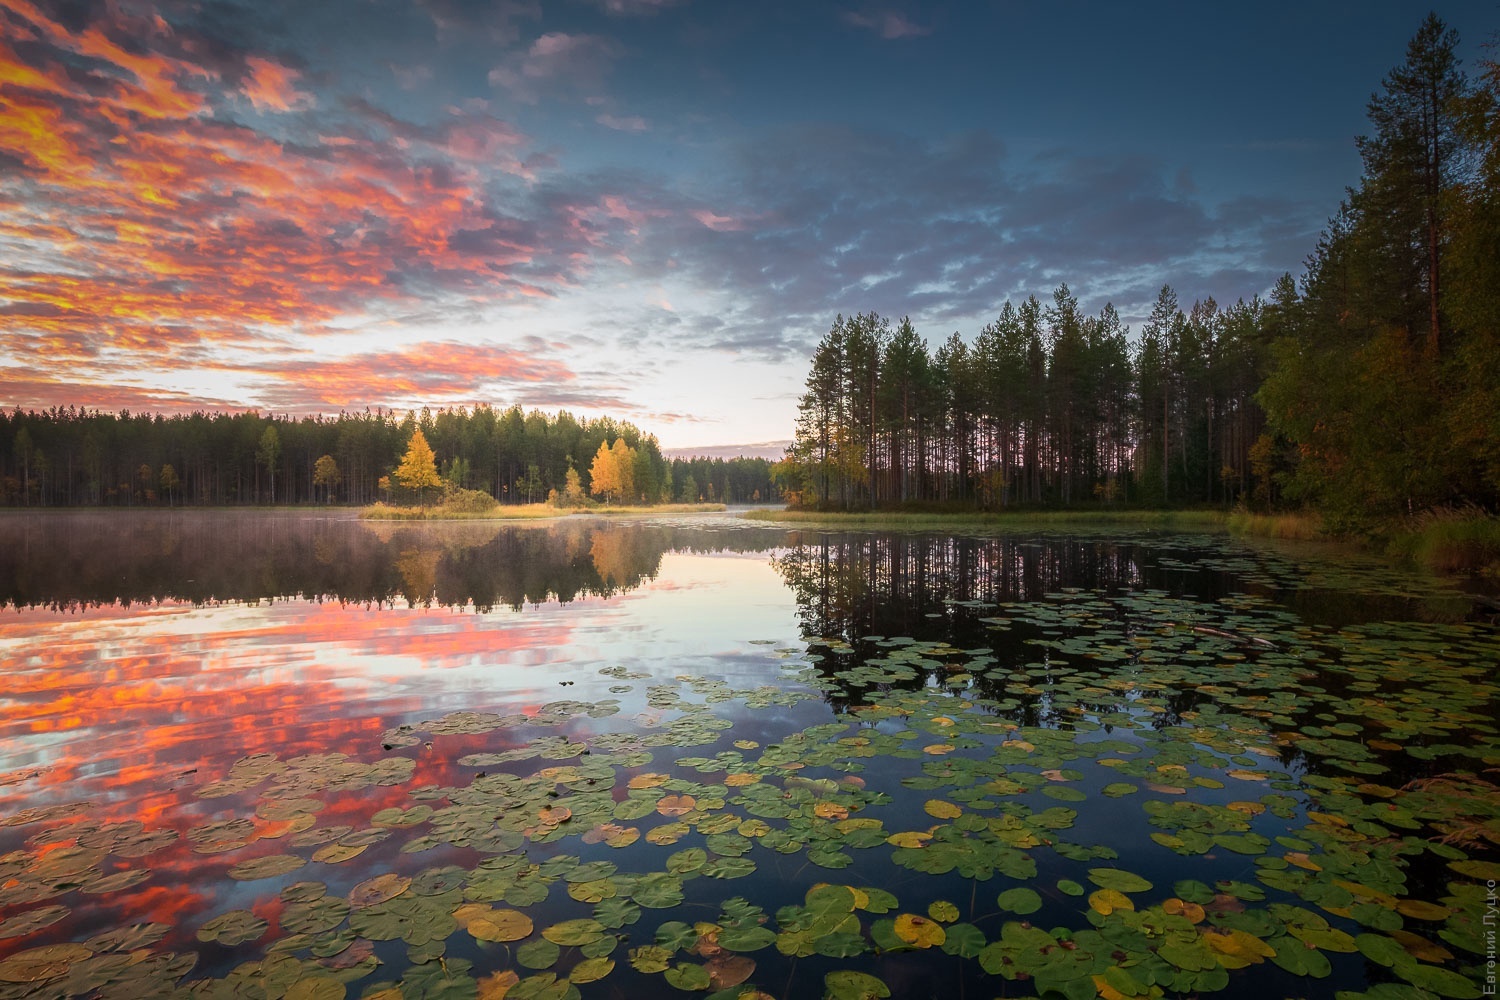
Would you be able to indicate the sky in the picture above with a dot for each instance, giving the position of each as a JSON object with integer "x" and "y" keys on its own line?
{"x": 650, "y": 209}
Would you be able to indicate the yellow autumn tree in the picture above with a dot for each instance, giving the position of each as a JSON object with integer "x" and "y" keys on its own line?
{"x": 604, "y": 473}
{"x": 612, "y": 473}
{"x": 625, "y": 462}
{"x": 418, "y": 469}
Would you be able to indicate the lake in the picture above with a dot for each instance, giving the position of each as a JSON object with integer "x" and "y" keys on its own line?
{"x": 299, "y": 755}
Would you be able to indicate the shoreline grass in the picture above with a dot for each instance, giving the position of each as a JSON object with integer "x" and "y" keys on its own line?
{"x": 1463, "y": 542}
{"x": 523, "y": 512}
{"x": 1298, "y": 526}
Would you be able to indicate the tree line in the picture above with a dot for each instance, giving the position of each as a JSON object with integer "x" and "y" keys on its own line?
{"x": 1047, "y": 405}
{"x": 66, "y": 456}
{"x": 1369, "y": 388}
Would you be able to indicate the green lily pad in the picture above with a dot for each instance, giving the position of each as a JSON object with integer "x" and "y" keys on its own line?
{"x": 539, "y": 954}
{"x": 1020, "y": 901}
{"x": 688, "y": 977}
{"x": 851, "y": 985}
{"x": 1118, "y": 880}
{"x": 233, "y": 928}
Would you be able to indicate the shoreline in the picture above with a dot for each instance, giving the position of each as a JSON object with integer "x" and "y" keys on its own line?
{"x": 527, "y": 512}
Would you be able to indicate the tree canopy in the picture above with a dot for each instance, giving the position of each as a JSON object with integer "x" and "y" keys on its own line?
{"x": 1369, "y": 389}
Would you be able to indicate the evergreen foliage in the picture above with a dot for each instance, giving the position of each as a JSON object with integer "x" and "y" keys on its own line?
{"x": 1371, "y": 391}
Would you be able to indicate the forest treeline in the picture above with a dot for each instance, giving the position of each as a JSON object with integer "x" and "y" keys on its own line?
{"x": 1369, "y": 388}
{"x": 74, "y": 457}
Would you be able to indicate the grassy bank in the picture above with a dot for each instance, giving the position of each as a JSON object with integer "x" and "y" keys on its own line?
{"x": 1463, "y": 541}
{"x": 522, "y": 512}
{"x": 1299, "y": 526}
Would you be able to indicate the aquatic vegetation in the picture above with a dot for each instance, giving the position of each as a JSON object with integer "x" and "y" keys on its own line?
{"x": 1135, "y": 804}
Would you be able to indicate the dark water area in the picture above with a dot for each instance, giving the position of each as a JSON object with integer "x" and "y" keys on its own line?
{"x": 300, "y": 755}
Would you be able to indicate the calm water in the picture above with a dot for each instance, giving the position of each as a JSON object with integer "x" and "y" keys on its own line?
{"x": 301, "y": 755}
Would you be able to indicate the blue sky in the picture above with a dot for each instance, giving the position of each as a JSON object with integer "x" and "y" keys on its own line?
{"x": 647, "y": 208}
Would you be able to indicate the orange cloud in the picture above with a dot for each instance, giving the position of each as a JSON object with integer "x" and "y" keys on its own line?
{"x": 154, "y": 222}
{"x": 270, "y": 86}
{"x": 435, "y": 372}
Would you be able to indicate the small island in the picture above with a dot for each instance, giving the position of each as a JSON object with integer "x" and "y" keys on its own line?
{"x": 612, "y": 478}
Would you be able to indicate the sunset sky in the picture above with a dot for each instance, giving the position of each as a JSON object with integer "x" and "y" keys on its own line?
{"x": 646, "y": 208}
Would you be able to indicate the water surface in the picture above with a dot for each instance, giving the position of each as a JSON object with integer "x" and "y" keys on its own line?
{"x": 301, "y": 755}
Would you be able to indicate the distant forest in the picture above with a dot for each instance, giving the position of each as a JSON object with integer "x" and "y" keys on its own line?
{"x": 1369, "y": 389}
{"x": 71, "y": 457}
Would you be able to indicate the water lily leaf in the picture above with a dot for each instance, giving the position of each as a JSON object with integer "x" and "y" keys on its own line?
{"x": 733, "y": 867}
{"x": 910, "y": 839}
{"x": 1193, "y": 891}
{"x": 668, "y": 833}
{"x": 271, "y": 866}
{"x": 593, "y": 892}
{"x": 650, "y": 958}
{"x": 233, "y": 928}
{"x": 690, "y": 860}
{"x": 1106, "y": 901}
{"x": 1237, "y": 948}
{"x": 31, "y": 920}
{"x": 941, "y": 809}
{"x": 1483, "y": 870}
{"x": 942, "y": 911}
{"x": 1421, "y": 910}
{"x": 541, "y": 986}
{"x": 840, "y": 944}
{"x": 634, "y": 808}
{"x": 500, "y": 926}
{"x": 1069, "y": 887}
{"x": 574, "y": 933}
{"x": 658, "y": 891}
{"x": 649, "y": 779}
{"x": 591, "y": 970}
{"x": 1380, "y": 949}
{"x": 1302, "y": 960}
{"x": 1443, "y": 982}
{"x": 850, "y": 985}
{"x": 620, "y": 836}
{"x": 378, "y": 890}
{"x": 554, "y": 815}
{"x": 743, "y": 939}
{"x": 676, "y": 805}
{"x": 317, "y": 987}
{"x": 726, "y": 970}
{"x": 333, "y": 854}
{"x": 918, "y": 931}
{"x": 38, "y": 965}
{"x": 1192, "y": 912}
{"x": 495, "y": 986}
{"x": 1420, "y": 948}
{"x": 1120, "y": 881}
{"x": 677, "y": 936}
{"x": 824, "y": 856}
{"x": 614, "y": 913}
{"x": 1020, "y": 901}
{"x": 689, "y": 977}
{"x": 538, "y": 954}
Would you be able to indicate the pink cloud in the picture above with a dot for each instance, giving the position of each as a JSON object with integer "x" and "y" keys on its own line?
{"x": 270, "y": 86}
{"x": 719, "y": 223}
